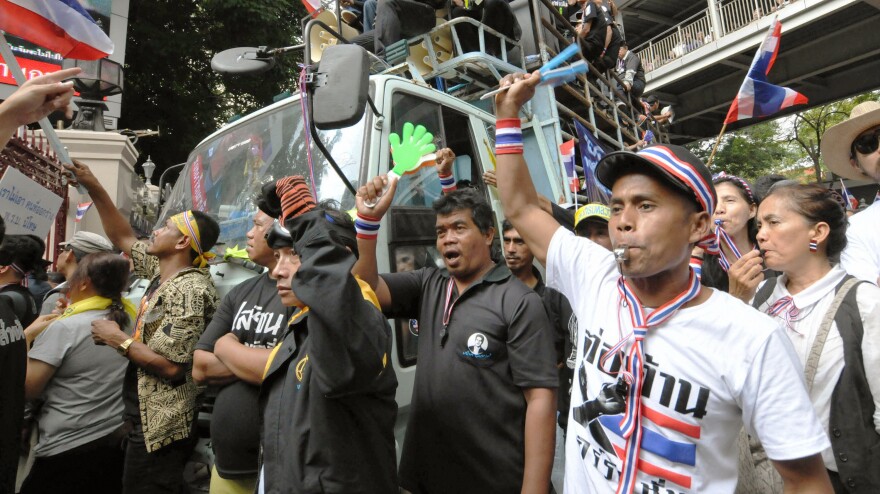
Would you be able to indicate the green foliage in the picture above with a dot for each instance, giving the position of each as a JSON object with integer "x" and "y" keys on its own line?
{"x": 169, "y": 83}
{"x": 749, "y": 153}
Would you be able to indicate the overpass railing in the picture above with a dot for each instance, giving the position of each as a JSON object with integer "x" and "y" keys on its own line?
{"x": 700, "y": 29}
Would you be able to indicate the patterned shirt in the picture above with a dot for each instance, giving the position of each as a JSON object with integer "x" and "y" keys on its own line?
{"x": 174, "y": 318}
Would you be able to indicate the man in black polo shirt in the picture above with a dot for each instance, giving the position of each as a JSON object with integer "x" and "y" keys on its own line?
{"x": 484, "y": 400}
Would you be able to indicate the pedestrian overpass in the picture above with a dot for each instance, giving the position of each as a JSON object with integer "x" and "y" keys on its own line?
{"x": 697, "y": 52}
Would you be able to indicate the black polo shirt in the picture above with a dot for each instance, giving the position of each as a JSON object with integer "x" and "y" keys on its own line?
{"x": 467, "y": 422}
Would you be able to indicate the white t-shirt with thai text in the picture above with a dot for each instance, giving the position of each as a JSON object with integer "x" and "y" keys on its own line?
{"x": 710, "y": 369}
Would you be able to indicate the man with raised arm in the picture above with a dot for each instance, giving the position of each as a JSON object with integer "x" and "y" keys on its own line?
{"x": 667, "y": 372}
{"x": 484, "y": 402}
{"x": 159, "y": 393}
{"x": 328, "y": 388}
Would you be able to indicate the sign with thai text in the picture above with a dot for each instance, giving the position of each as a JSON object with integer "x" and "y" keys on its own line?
{"x": 27, "y": 207}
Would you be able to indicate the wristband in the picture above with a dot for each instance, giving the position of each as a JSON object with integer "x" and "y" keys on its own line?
{"x": 508, "y": 136}
{"x": 447, "y": 182}
{"x": 367, "y": 228}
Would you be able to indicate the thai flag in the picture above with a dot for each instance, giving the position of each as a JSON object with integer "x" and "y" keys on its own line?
{"x": 757, "y": 97}
{"x": 666, "y": 451}
{"x": 851, "y": 202}
{"x": 62, "y": 26}
{"x": 567, "y": 151}
{"x": 81, "y": 209}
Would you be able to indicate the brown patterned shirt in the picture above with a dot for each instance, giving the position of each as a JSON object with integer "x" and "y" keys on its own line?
{"x": 173, "y": 320}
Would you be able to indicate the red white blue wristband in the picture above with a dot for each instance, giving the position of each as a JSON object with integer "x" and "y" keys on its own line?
{"x": 447, "y": 182}
{"x": 367, "y": 227}
{"x": 508, "y": 136}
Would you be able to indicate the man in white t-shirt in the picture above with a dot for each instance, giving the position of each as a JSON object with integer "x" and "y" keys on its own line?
{"x": 851, "y": 149}
{"x": 704, "y": 370}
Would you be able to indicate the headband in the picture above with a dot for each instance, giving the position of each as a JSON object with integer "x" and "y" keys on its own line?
{"x": 745, "y": 185}
{"x": 187, "y": 225}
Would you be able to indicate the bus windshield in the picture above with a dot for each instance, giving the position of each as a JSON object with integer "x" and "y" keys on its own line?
{"x": 223, "y": 175}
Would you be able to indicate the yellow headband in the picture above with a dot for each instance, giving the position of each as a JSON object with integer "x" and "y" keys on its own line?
{"x": 187, "y": 225}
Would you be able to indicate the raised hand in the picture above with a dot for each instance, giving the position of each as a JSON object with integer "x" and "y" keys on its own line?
{"x": 508, "y": 103}
{"x": 372, "y": 200}
{"x": 39, "y": 97}
{"x": 445, "y": 160}
{"x": 82, "y": 175}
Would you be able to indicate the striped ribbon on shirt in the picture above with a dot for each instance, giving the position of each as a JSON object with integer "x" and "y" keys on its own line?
{"x": 630, "y": 426}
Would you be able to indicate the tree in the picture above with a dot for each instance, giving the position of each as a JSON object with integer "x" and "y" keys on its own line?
{"x": 809, "y": 127}
{"x": 169, "y": 83}
{"x": 749, "y": 153}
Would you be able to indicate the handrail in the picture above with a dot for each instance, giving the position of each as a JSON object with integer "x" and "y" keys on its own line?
{"x": 699, "y": 30}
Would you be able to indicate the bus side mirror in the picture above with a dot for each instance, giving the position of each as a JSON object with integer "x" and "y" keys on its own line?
{"x": 340, "y": 90}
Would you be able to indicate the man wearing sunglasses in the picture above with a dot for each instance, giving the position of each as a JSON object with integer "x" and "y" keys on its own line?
{"x": 850, "y": 150}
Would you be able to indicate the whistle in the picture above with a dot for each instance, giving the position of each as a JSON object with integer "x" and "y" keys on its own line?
{"x": 620, "y": 254}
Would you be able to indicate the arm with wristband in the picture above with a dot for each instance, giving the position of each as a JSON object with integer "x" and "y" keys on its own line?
{"x": 367, "y": 224}
{"x": 445, "y": 160}
{"x": 522, "y": 204}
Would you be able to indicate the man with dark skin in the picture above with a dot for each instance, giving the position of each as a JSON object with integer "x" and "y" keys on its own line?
{"x": 159, "y": 393}
{"x": 515, "y": 366}
{"x": 660, "y": 208}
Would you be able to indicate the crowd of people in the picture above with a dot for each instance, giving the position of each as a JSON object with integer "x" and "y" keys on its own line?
{"x": 696, "y": 334}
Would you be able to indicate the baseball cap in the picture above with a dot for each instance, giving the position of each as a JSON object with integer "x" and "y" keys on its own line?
{"x": 675, "y": 164}
{"x": 89, "y": 243}
{"x": 593, "y": 210}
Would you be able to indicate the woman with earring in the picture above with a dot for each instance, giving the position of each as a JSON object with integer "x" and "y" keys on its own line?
{"x": 833, "y": 322}
{"x": 80, "y": 422}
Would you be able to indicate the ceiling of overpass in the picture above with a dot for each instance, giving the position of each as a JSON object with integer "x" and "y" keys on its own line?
{"x": 832, "y": 58}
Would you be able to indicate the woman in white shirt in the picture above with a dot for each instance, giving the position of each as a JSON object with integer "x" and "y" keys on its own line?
{"x": 80, "y": 383}
{"x": 801, "y": 233}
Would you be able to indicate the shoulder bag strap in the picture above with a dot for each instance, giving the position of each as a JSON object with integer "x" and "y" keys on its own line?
{"x": 764, "y": 293}
{"x": 824, "y": 328}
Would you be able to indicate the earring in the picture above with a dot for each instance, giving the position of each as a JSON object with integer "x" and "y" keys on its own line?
{"x": 813, "y": 246}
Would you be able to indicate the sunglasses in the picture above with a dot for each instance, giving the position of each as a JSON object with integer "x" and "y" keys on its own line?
{"x": 867, "y": 143}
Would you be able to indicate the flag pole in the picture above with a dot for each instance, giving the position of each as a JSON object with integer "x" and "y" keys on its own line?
{"x": 715, "y": 147}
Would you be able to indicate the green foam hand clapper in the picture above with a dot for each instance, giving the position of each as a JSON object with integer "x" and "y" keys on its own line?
{"x": 409, "y": 153}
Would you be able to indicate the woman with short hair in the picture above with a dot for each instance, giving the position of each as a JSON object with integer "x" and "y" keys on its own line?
{"x": 80, "y": 384}
{"x": 833, "y": 322}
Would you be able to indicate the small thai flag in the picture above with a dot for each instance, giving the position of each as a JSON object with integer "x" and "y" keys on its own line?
{"x": 81, "y": 210}
{"x": 567, "y": 151}
{"x": 62, "y": 26}
{"x": 851, "y": 202}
